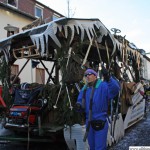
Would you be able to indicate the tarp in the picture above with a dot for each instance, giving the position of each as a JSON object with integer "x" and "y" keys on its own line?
{"x": 26, "y": 96}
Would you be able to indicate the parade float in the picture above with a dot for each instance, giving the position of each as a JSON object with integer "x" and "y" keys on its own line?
{"x": 72, "y": 45}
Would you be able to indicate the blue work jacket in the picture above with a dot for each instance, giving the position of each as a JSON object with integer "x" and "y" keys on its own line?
{"x": 104, "y": 91}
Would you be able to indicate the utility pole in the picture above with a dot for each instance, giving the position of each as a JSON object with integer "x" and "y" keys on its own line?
{"x": 70, "y": 13}
{"x": 68, "y": 10}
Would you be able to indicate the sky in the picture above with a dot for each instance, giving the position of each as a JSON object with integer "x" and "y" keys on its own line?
{"x": 132, "y": 17}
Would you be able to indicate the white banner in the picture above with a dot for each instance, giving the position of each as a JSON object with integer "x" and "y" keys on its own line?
{"x": 139, "y": 147}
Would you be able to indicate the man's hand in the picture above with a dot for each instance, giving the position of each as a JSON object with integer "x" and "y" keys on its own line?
{"x": 78, "y": 107}
{"x": 105, "y": 73}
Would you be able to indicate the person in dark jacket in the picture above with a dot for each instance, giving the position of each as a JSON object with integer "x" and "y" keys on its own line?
{"x": 93, "y": 99}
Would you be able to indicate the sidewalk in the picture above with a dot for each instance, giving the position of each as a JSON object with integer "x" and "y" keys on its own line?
{"x": 137, "y": 135}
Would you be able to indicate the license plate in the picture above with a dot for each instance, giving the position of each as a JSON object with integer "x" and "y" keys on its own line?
{"x": 15, "y": 114}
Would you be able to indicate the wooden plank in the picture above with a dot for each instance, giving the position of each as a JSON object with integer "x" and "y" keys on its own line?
{"x": 26, "y": 52}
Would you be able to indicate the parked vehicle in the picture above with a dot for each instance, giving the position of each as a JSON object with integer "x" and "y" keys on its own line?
{"x": 27, "y": 107}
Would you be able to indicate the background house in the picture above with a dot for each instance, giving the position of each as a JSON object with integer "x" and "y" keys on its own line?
{"x": 19, "y": 15}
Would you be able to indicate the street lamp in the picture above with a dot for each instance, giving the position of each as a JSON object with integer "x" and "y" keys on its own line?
{"x": 11, "y": 30}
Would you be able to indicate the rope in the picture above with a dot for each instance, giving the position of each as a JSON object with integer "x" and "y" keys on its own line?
{"x": 69, "y": 98}
{"x": 55, "y": 106}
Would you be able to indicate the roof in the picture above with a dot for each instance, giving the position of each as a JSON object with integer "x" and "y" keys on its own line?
{"x": 68, "y": 28}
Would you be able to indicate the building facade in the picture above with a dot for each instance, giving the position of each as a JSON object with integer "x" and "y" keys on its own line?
{"x": 19, "y": 14}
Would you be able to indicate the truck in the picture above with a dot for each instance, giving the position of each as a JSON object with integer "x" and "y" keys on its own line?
{"x": 70, "y": 45}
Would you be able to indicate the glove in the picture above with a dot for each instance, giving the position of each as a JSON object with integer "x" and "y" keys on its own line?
{"x": 105, "y": 73}
{"x": 78, "y": 107}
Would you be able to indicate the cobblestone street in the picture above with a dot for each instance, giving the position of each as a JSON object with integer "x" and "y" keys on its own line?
{"x": 138, "y": 135}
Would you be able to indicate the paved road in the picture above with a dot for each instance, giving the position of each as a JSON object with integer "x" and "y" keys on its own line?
{"x": 31, "y": 146}
{"x": 15, "y": 142}
{"x": 139, "y": 135}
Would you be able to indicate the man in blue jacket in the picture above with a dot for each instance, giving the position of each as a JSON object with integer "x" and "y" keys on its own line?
{"x": 93, "y": 99}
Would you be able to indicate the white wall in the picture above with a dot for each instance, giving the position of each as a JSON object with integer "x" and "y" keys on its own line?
{"x": 28, "y": 74}
{"x": 8, "y": 17}
{"x": 19, "y": 21}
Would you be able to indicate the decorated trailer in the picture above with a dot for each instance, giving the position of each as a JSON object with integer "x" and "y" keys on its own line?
{"x": 71, "y": 45}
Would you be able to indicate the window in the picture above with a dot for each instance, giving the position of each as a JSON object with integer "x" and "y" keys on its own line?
{"x": 13, "y": 3}
{"x": 55, "y": 17}
{"x": 38, "y": 12}
{"x": 40, "y": 75}
{"x": 14, "y": 69}
{"x": 14, "y": 73}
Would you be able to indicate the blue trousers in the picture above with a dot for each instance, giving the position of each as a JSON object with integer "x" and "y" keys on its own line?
{"x": 98, "y": 139}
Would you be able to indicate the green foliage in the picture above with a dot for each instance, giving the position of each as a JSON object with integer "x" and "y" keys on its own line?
{"x": 5, "y": 78}
{"x": 3, "y": 70}
{"x": 63, "y": 112}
